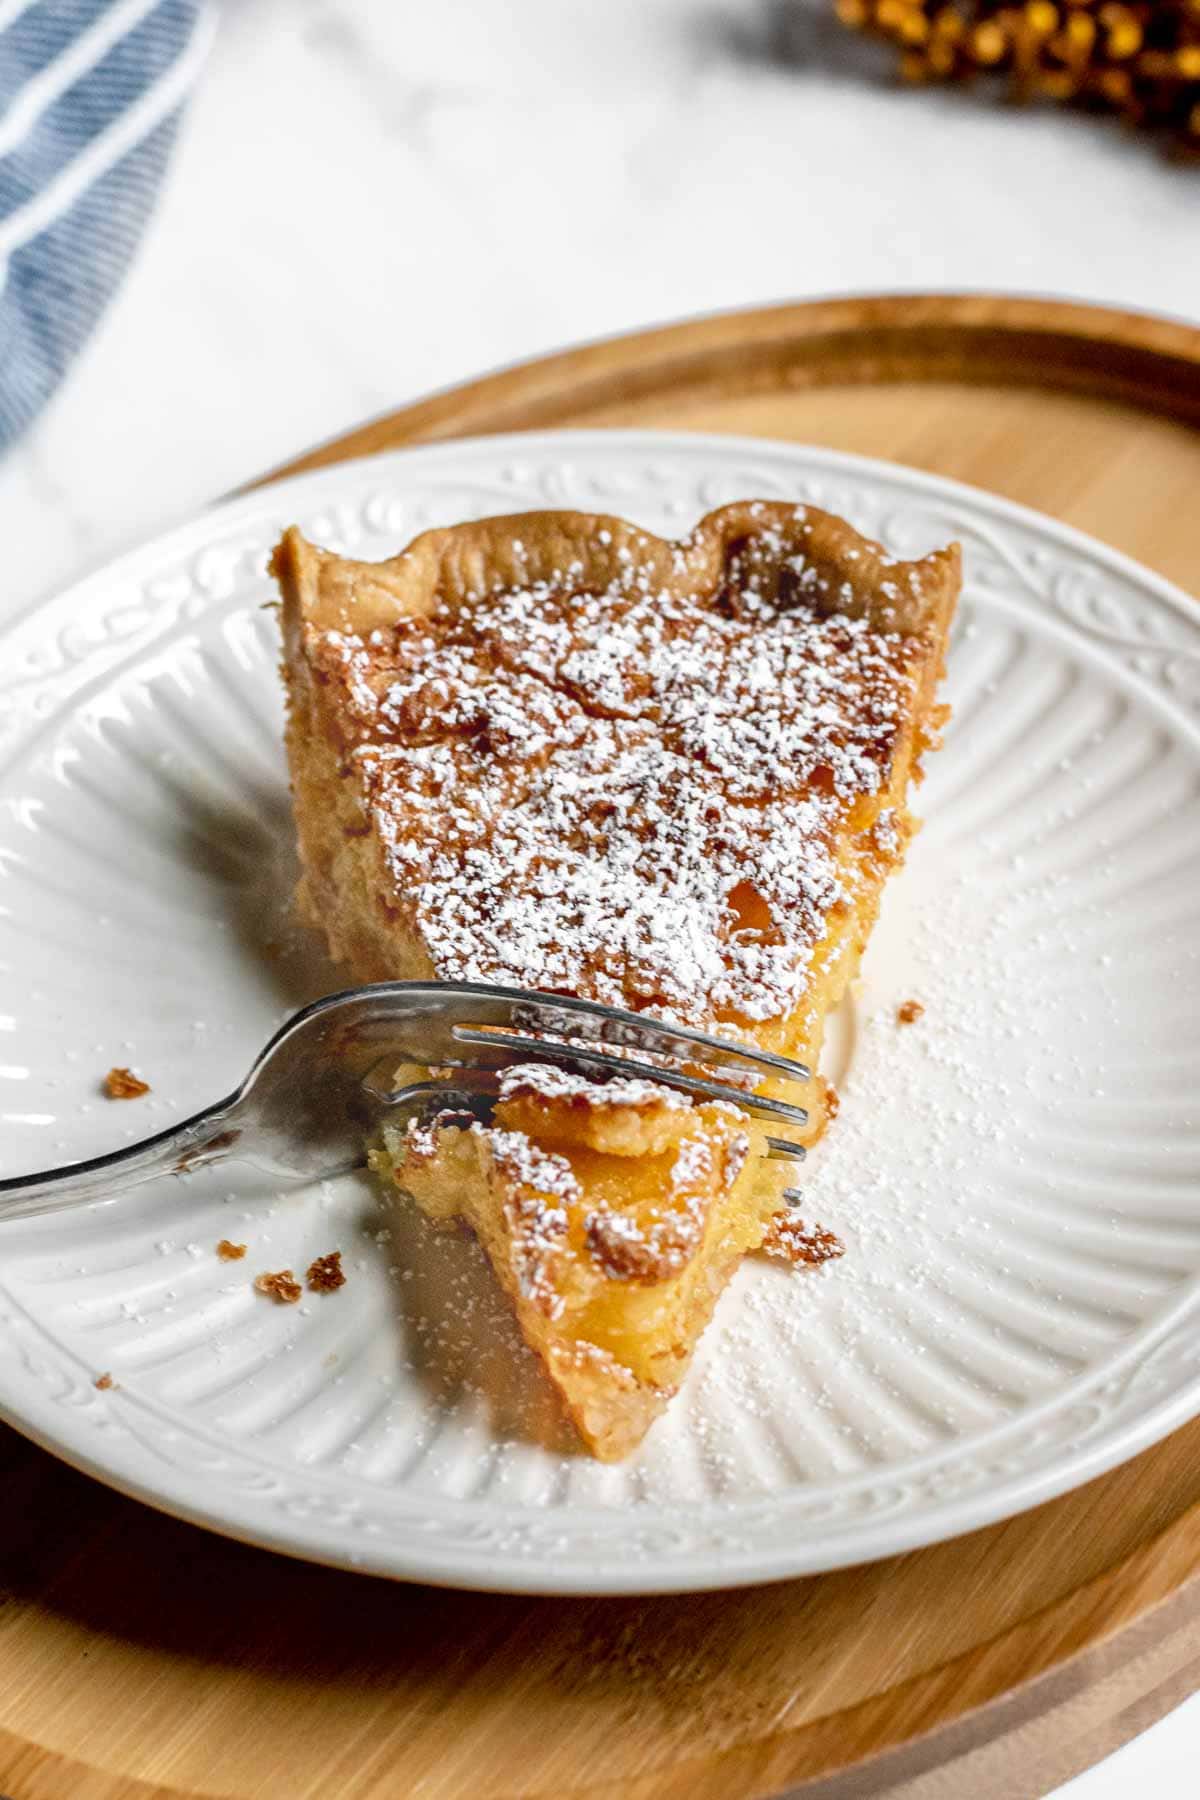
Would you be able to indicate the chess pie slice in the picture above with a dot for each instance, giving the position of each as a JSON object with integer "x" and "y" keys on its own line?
{"x": 555, "y": 752}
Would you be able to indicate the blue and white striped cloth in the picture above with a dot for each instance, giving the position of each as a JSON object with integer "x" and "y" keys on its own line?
{"x": 90, "y": 94}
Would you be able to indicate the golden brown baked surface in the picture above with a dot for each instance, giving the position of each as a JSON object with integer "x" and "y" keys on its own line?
{"x": 555, "y": 752}
{"x": 613, "y": 1214}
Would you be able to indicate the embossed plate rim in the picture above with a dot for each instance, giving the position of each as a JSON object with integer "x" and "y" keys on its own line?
{"x": 1099, "y": 1441}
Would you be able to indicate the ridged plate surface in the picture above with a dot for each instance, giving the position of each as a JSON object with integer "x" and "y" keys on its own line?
{"x": 1016, "y": 1176}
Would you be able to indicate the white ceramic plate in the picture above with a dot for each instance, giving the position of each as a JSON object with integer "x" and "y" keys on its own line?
{"x": 1017, "y": 1176}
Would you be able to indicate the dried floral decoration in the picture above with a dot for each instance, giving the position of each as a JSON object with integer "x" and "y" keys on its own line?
{"x": 1142, "y": 61}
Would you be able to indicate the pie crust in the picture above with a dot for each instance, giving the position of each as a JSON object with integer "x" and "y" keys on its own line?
{"x": 555, "y": 752}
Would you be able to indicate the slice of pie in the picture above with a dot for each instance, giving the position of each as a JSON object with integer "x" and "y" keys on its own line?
{"x": 555, "y": 752}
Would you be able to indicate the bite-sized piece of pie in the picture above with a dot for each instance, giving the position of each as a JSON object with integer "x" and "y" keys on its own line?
{"x": 557, "y": 753}
{"x": 613, "y": 1215}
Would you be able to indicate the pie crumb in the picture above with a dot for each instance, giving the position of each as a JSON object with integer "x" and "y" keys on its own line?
{"x": 281, "y": 1286}
{"x": 909, "y": 1012}
{"x": 230, "y": 1252}
{"x": 788, "y": 1239}
{"x": 104, "y": 1381}
{"x": 833, "y": 1102}
{"x": 326, "y": 1273}
{"x": 123, "y": 1084}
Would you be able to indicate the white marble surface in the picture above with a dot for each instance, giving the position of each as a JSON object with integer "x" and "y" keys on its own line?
{"x": 371, "y": 199}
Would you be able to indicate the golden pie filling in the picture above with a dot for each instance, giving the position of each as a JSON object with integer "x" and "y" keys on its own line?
{"x": 613, "y": 1215}
{"x": 556, "y": 753}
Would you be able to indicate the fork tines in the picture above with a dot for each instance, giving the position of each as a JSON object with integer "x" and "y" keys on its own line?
{"x": 585, "y": 1061}
{"x": 506, "y": 1026}
{"x": 567, "y": 1017}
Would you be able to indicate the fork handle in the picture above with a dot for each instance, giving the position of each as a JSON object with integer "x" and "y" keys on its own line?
{"x": 205, "y": 1138}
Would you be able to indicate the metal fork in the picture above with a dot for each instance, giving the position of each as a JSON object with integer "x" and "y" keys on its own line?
{"x": 324, "y": 1082}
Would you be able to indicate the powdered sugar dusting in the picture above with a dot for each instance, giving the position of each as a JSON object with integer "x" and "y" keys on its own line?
{"x": 521, "y": 1160}
{"x": 550, "y": 1083}
{"x": 540, "y": 1187}
{"x": 630, "y": 795}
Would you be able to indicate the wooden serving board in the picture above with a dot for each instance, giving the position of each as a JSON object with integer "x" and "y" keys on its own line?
{"x": 141, "y": 1657}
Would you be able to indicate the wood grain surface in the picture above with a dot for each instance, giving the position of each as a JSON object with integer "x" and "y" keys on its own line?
{"x": 140, "y": 1657}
